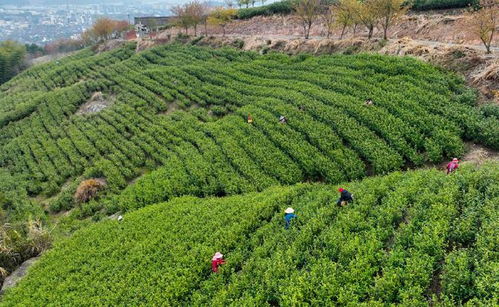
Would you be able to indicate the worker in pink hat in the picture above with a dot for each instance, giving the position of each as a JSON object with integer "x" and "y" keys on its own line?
{"x": 345, "y": 197}
{"x": 216, "y": 261}
{"x": 453, "y": 165}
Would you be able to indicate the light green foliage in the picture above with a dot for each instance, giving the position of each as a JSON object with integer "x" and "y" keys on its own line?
{"x": 397, "y": 243}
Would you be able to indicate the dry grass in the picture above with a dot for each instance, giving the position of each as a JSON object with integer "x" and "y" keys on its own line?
{"x": 490, "y": 73}
{"x": 19, "y": 242}
{"x": 88, "y": 189}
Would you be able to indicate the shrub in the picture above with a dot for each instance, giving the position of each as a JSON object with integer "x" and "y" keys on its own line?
{"x": 88, "y": 189}
{"x": 382, "y": 249}
{"x": 281, "y": 7}
{"x": 423, "y": 5}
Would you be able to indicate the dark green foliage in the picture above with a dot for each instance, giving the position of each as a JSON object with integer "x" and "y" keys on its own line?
{"x": 11, "y": 59}
{"x": 279, "y": 7}
{"x": 206, "y": 147}
{"x": 423, "y": 5}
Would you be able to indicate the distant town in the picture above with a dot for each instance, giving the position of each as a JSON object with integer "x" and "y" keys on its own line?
{"x": 44, "y": 24}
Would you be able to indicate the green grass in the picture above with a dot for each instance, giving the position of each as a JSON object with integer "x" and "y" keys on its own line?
{"x": 404, "y": 234}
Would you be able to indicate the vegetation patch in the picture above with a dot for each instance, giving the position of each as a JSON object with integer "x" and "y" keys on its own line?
{"x": 408, "y": 238}
{"x": 420, "y": 114}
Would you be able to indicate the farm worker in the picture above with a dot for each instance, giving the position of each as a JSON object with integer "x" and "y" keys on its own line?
{"x": 216, "y": 261}
{"x": 283, "y": 119}
{"x": 452, "y": 166}
{"x": 345, "y": 197}
{"x": 369, "y": 102}
{"x": 250, "y": 119}
{"x": 289, "y": 214}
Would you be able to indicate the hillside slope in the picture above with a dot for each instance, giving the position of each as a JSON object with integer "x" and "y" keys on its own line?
{"x": 184, "y": 109}
{"x": 409, "y": 238}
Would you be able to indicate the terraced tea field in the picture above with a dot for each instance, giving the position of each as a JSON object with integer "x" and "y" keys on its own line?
{"x": 181, "y": 112}
{"x": 409, "y": 238}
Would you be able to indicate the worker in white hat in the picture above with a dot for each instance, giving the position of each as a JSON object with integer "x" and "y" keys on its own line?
{"x": 289, "y": 214}
{"x": 216, "y": 261}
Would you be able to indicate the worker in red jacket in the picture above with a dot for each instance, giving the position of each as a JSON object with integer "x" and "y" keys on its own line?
{"x": 216, "y": 261}
{"x": 452, "y": 166}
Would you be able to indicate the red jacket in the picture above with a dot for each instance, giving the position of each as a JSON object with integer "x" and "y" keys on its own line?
{"x": 216, "y": 263}
{"x": 452, "y": 166}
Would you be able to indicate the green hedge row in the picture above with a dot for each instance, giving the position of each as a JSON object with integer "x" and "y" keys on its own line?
{"x": 424, "y": 5}
{"x": 279, "y": 7}
{"x": 409, "y": 239}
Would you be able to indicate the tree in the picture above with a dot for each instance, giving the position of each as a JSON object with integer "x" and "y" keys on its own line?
{"x": 195, "y": 11}
{"x": 120, "y": 26}
{"x": 367, "y": 14}
{"x": 221, "y": 17}
{"x": 12, "y": 56}
{"x": 229, "y": 3}
{"x": 103, "y": 28}
{"x": 345, "y": 14}
{"x": 389, "y": 11}
{"x": 88, "y": 37}
{"x": 34, "y": 50}
{"x": 483, "y": 23}
{"x": 206, "y": 13}
{"x": 307, "y": 11}
{"x": 240, "y": 3}
{"x": 182, "y": 19}
{"x": 328, "y": 17}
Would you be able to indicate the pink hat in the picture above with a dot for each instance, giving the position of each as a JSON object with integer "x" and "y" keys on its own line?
{"x": 218, "y": 255}
{"x": 341, "y": 189}
{"x": 455, "y": 160}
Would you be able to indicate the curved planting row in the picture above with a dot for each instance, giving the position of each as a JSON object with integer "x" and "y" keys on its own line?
{"x": 156, "y": 96}
{"x": 413, "y": 238}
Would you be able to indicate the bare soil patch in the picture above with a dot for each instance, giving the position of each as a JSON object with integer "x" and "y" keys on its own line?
{"x": 478, "y": 154}
{"x": 97, "y": 103}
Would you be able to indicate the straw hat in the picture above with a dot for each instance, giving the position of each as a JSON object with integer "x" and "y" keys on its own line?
{"x": 218, "y": 255}
{"x": 289, "y": 210}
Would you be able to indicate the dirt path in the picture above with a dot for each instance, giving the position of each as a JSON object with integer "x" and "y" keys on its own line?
{"x": 476, "y": 154}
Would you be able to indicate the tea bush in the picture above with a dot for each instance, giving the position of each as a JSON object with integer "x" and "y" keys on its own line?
{"x": 401, "y": 239}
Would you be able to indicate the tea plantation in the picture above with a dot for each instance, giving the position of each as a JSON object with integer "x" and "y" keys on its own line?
{"x": 184, "y": 109}
{"x": 166, "y": 132}
{"x": 409, "y": 238}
